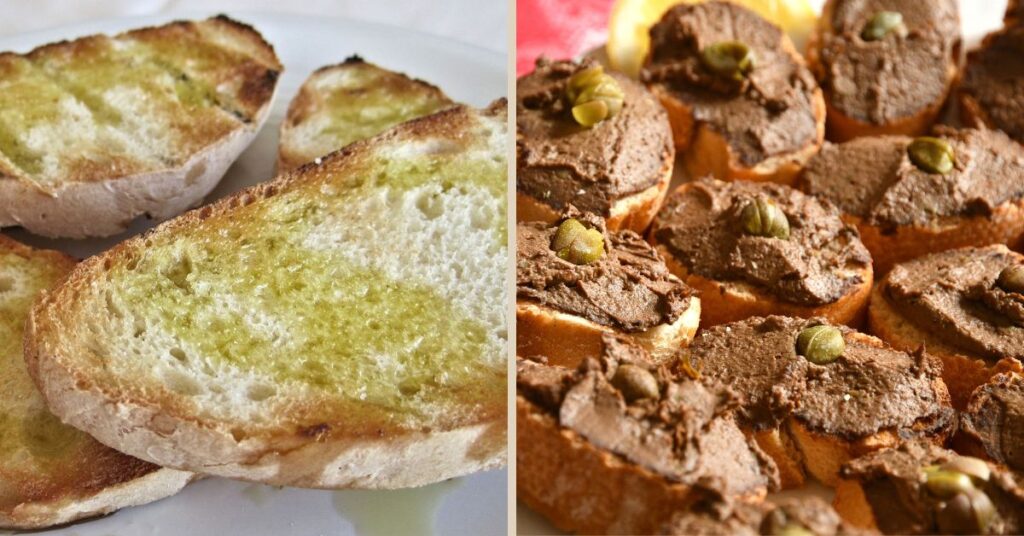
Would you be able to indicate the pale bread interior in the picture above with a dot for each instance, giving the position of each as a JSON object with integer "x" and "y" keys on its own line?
{"x": 351, "y": 101}
{"x": 355, "y": 300}
{"x": 438, "y": 244}
{"x": 51, "y": 473}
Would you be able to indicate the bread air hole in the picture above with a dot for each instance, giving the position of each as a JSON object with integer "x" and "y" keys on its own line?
{"x": 181, "y": 383}
{"x": 140, "y": 327}
{"x": 260, "y": 392}
{"x": 409, "y": 387}
{"x": 6, "y": 283}
{"x": 194, "y": 173}
{"x": 112, "y": 307}
{"x": 430, "y": 205}
{"x": 480, "y": 219}
{"x": 179, "y": 272}
{"x": 179, "y": 354}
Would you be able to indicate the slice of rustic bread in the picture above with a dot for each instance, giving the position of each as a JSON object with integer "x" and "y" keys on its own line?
{"x": 51, "y": 473}
{"x": 351, "y": 101}
{"x": 100, "y": 130}
{"x": 340, "y": 326}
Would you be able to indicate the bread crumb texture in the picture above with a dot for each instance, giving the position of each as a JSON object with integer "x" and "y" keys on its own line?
{"x": 382, "y": 286}
{"x": 352, "y": 101}
{"x": 103, "y": 107}
{"x": 33, "y": 442}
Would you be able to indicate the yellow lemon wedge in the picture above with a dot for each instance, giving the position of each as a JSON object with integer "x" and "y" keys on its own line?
{"x": 630, "y": 21}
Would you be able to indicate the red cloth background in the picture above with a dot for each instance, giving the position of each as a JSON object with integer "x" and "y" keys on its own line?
{"x": 558, "y": 28}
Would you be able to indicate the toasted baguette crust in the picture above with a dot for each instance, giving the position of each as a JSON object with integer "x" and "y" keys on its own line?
{"x": 104, "y": 498}
{"x": 851, "y": 503}
{"x": 961, "y": 373}
{"x": 104, "y": 208}
{"x": 101, "y": 200}
{"x": 312, "y": 100}
{"x": 586, "y": 490}
{"x": 800, "y": 451}
{"x": 1004, "y": 226}
{"x": 566, "y": 340}
{"x": 633, "y": 212}
{"x": 96, "y": 480}
{"x": 325, "y": 452}
{"x": 706, "y": 152}
{"x": 839, "y": 127}
{"x": 725, "y": 302}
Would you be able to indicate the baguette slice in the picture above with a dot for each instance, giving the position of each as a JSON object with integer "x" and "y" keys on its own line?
{"x": 100, "y": 130}
{"x": 351, "y": 101}
{"x": 342, "y": 325}
{"x": 51, "y": 473}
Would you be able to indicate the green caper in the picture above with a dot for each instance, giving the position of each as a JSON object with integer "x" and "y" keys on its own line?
{"x": 605, "y": 86}
{"x": 930, "y": 154}
{"x": 972, "y": 467}
{"x": 1011, "y": 279}
{"x": 587, "y": 248}
{"x": 567, "y": 232}
{"x": 606, "y": 89}
{"x": 881, "y": 24}
{"x": 581, "y": 80}
{"x": 763, "y": 217}
{"x": 590, "y": 113}
{"x": 946, "y": 484}
{"x": 820, "y": 345}
{"x": 595, "y": 96}
{"x": 635, "y": 382}
{"x": 577, "y": 244}
{"x": 731, "y": 59}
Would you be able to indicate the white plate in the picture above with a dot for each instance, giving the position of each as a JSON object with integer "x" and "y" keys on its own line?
{"x": 977, "y": 19}
{"x": 216, "y": 507}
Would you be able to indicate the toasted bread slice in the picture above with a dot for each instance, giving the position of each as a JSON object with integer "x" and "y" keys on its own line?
{"x": 730, "y": 301}
{"x": 100, "y": 130}
{"x": 633, "y": 212}
{"x": 51, "y": 473}
{"x": 962, "y": 373}
{"x": 841, "y": 127}
{"x": 351, "y": 101}
{"x": 340, "y": 326}
{"x": 566, "y": 339}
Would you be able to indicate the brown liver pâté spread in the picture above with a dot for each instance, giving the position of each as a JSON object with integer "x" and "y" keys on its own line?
{"x": 628, "y": 288}
{"x": 819, "y": 263}
{"x": 995, "y": 418}
{"x": 686, "y": 435}
{"x": 893, "y": 484}
{"x": 769, "y": 113}
{"x": 867, "y": 389}
{"x": 771, "y": 517}
{"x": 874, "y": 179}
{"x": 953, "y": 296}
{"x": 994, "y": 77}
{"x": 897, "y": 76}
{"x": 560, "y": 162}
